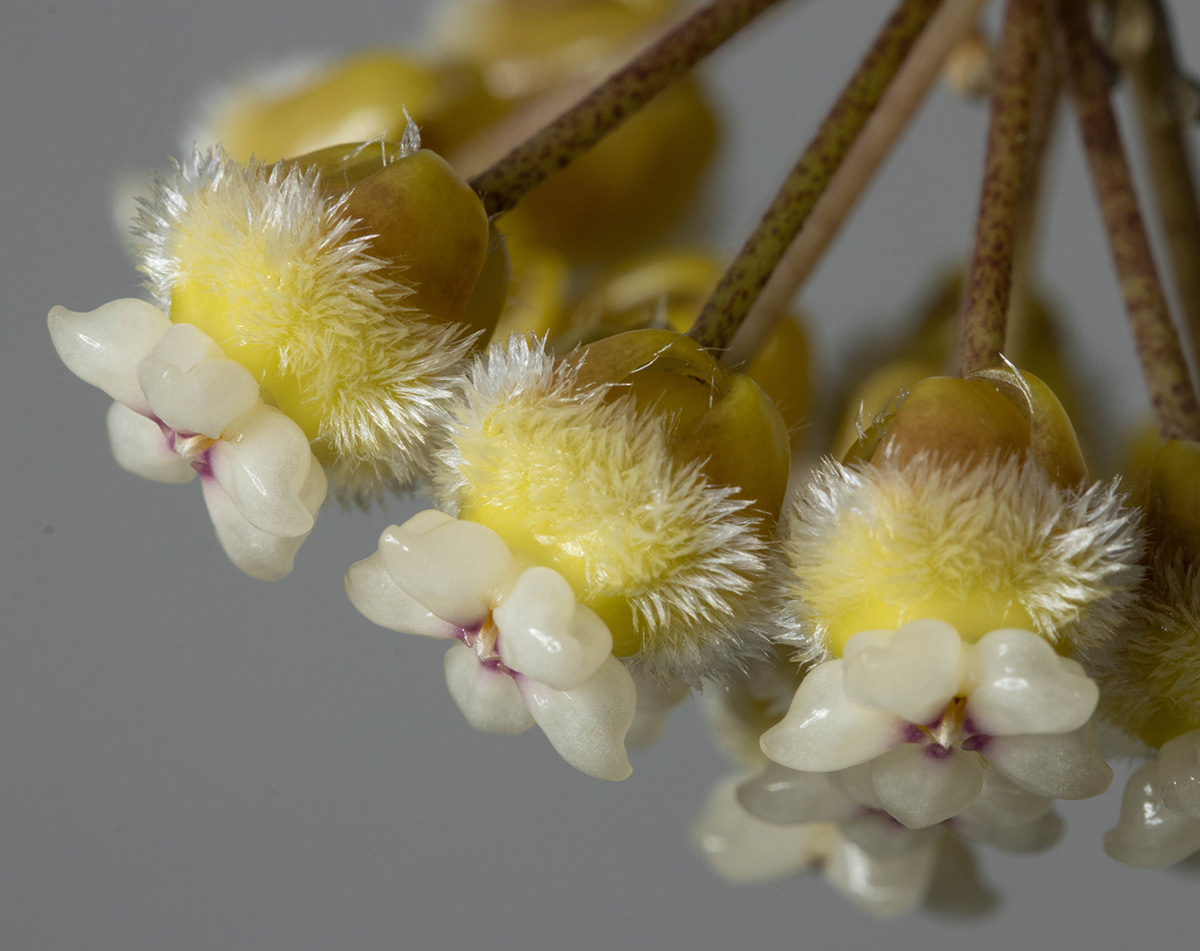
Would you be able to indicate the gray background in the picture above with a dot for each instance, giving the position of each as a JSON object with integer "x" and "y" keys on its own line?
{"x": 191, "y": 759}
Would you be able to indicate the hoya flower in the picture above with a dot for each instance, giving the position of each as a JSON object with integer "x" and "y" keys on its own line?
{"x": 344, "y": 281}
{"x": 182, "y": 409}
{"x": 644, "y": 475}
{"x": 1160, "y": 810}
{"x": 527, "y": 653}
{"x": 932, "y": 714}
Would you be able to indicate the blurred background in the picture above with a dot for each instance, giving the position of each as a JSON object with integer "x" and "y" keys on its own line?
{"x": 195, "y": 760}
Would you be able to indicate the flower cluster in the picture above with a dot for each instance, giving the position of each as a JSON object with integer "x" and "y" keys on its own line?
{"x": 908, "y": 640}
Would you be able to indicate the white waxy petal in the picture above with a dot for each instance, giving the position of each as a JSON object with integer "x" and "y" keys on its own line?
{"x": 881, "y": 836}
{"x": 259, "y": 554}
{"x": 192, "y": 386}
{"x": 103, "y": 347}
{"x": 546, "y": 635}
{"x": 913, "y": 672}
{"x": 1003, "y": 803}
{"x": 742, "y": 848}
{"x": 587, "y": 725}
{"x": 1149, "y": 835}
{"x": 823, "y": 730}
{"x": 1060, "y": 765}
{"x": 883, "y": 886}
{"x": 487, "y": 697}
{"x": 458, "y": 569}
{"x": 139, "y": 446}
{"x": 372, "y": 590}
{"x": 1022, "y": 686}
{"x": 1179, "y": 771}
{"x": 921, "y": 784}
{"x": 1035, "y": 836}
{"x": 264, "y": 464}
{"x": 786, "y": 797}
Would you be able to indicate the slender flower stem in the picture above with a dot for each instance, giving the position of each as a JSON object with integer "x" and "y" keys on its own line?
{"x": 1156, "y": 81}
{"x": 613, "y": 101}
{"x": 1163, "y": 364}
{"x": 1043, "y": 111}
{"x": 725, "y": 310}
{"x": 891, "y": 117}
{"x": 989, "y": 278}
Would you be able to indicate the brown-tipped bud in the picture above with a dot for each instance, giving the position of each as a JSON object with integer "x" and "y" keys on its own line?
{"x": 721, "y": 420}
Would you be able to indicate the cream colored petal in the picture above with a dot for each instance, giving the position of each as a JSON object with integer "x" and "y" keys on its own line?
{"x": 1149, "y": 835}
{"x": 883, "y": 886}
{"x": 1028, "y": 837}
{"x": 265, "y": 465}
{"x": 742, "y": 848}
{"x": 456, "y": 568}
{"x": 913, "y": 672}
{"x": 259, "y": 554}
{"x": 139, "y": 446}
{"x": 1179, "y": 771}
{"x": 1020, "y": 685}
{"x": 546, "y": 635}
{"x": 787, "y": 797}
{"x": 103, "y": 347}
{"x": 192, "y": 386}
{"x": 1061, "y": 765}
{"x": 372, "y": 590}
{"x": 587, "y": 725}
{"x": 488, "y": 698}
{"x": 921, "y": 784}
{"x": 823, "y": 730}
{"x": 1003, "y": 803}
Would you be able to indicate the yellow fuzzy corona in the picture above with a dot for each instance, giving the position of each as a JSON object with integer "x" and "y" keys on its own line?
{"x": 268, "y": 263}
{"x": 580, "y": 479}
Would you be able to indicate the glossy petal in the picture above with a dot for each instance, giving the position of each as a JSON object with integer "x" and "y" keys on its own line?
{"x": 913, "y": 672}
{"x": 922, "y": 785}
{"x": 1022, "y": 686}
{"x": 742, "y": 848}
{"x": 259, "y": 554}
{"x": 587, "y": 725}
{"x": 1149, "y": 835}
{"x": 823, "y": 730}
{"x": 456, "y": 568}
{"x": 1060, "y": 765}
{"x": 265, "y": 465}
{"x": 1003, "y": 803}
{"x": 1179, "y": 772}
{"x": 788, "y": 797}
{"x": 192, "y": 386}
{"x": 139, "y": 446}
{"x": 103, "y": 347}
{"x": 488, "y": 698}
{"x": 883, "y": 886}
{"x": 372, "y": 590}
{"x": 546, "y": 635}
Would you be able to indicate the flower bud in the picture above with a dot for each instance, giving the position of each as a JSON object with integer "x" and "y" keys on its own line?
{"x": 356, "y": 98}
{"x": 722, "y": 420}
{"x": 1172, "y": 500}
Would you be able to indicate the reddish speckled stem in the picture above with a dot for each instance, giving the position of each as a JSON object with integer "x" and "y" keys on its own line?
{"x": 989, "y": 279}
{"x": 1163, "y": 364}
{"x": 725, "y": 310}
{"x": 613, "y": 101}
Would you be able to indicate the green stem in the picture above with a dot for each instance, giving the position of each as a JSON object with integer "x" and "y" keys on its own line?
{"x": 613, "y": 101}
{"x": 724, "y": 311}
{"x": 1163, "y": 363}
{"x": 989, "y": 279}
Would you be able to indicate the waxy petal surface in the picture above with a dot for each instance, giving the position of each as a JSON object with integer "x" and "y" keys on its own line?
{"x": 139, "y": 446}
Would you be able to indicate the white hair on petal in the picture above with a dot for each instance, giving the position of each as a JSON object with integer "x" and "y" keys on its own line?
{"x": 1069, "y": 556}
{"x": 281, "y": 254}
{"x": 597, "y": 476}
